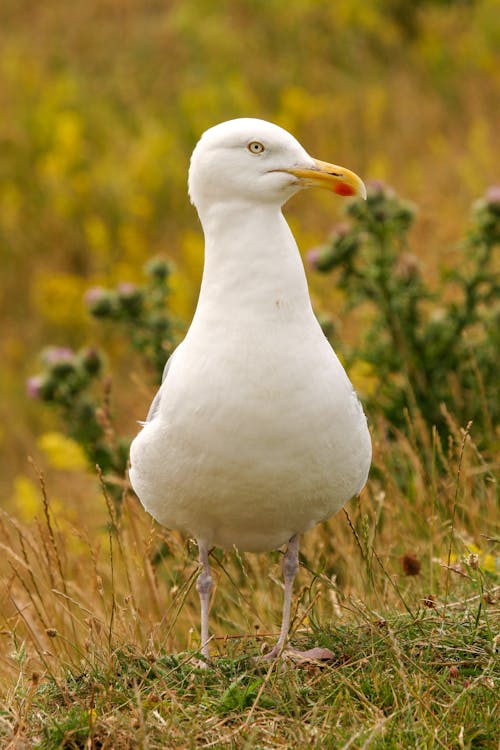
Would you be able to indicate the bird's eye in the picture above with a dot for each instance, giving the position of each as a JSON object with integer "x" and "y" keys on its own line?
{"x": 255, "y": 147}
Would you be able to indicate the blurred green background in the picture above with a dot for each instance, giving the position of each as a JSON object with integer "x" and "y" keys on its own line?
{"x": 102, "y": 102}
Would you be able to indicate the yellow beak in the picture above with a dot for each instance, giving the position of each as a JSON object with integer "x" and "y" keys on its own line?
{"x": 331, "y": 177}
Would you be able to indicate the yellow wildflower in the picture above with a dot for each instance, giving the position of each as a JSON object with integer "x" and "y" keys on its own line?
{"x": 58, "y": 298}
{"x": 488, "y": 563}
{"x": 140, "y": 206}
{"x": 26, "y": 497}
{"x": 61, "y": 451}
{"x": 364, "y": 378}
{"x": 97, "y": 235}
{"x": 133, "y": 243}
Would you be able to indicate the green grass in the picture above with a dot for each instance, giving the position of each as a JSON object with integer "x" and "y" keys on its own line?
{"x": 99, "y": 621}
{"x": 409, "y": 682}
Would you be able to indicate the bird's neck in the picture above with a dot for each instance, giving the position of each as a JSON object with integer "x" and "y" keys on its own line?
{"x": 251, "y": 261}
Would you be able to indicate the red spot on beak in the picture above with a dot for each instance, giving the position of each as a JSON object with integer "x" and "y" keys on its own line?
{"x": 342, "y": 188}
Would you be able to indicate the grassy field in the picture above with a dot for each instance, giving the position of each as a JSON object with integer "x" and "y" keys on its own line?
{"x": 99, "y": 616}
{"x": 100, "y": 625}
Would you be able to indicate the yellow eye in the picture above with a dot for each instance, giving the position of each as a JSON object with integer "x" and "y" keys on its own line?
{"x": 255, "y": 147}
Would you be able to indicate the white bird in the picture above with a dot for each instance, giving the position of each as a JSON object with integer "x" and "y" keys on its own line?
{"x": 256, "y": 433}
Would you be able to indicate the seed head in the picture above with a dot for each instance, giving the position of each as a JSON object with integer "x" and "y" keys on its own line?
{"x": 411, "y": 564}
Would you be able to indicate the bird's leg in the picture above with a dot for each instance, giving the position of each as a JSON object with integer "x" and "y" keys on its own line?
{"x": 204, "y": 586}
{"x": 290, "y": 567}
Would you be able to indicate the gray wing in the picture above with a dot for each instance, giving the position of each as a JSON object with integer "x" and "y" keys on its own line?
{"x": 155, "y": 404}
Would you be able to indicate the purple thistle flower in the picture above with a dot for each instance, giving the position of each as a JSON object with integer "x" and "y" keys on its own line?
{"x": 493, "y": 195}
{"x": 34, "y": 386}
{"x": 379, "y": 188}
{"x": 95, "y": 294}
{"x": 313, "y": 256}
{"x": 376, "y": 186}
{"x": 100, "y": 302}
{"x": 340, "y": 230}
{"x": 130, "y": 299}
{"x": 126, "y": 289}
{"x": 91, "y": 360}
{"x": 55, "y": 355}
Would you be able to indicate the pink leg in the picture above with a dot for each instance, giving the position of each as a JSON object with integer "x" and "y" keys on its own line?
{"x": 290, "y": 567}
{"x": 204, "y": 586}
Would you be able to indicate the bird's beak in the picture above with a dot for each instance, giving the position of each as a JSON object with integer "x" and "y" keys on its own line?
{"x": 332, "y": 177}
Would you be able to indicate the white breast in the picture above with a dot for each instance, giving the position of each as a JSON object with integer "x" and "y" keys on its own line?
{"x": 255, "y": 444}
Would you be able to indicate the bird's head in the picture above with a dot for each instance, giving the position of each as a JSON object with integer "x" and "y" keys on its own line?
{"x": 255, "y": 161}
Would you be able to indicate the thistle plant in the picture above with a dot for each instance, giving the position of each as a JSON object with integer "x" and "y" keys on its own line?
{"x": 142, "y": 313}
{"x": 76, "y": 383}
{"x": 66, "y": 382}
{"x": 425, "y": 347}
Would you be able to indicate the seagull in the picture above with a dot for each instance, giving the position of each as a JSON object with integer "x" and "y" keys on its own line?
{"x": 256, "y": 433}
